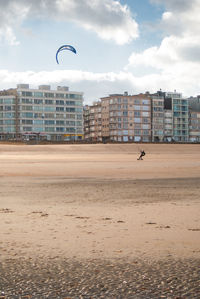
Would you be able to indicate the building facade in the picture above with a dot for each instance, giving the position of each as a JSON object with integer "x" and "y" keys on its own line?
{"x": 180, "y": 114}
{"x": 92, "y": 122}
{"x": 194, "y": 126}
{"x": 157, "y": 117}
{"x": 170, "y": 117}
{"x": 41, "y": 113}
{"x": 124, "y": 118}
{"x": 194, "y": 119}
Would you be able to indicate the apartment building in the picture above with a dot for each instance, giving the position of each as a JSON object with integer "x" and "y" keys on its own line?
{"x": 194, "y": 119}
{"x": 41, "y": 113}
{"x": 180, "y": 115}
{"x": 92, "y": 122}
{"x": 168, "y": 125}
{"x": 194, "y": 126}
{"x": 157, "y": 117}
{"x": 126, "y": 117}
{"x": 170, "y": 117}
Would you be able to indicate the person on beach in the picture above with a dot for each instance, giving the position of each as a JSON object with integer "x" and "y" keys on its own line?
{"x": 142, "y": 154}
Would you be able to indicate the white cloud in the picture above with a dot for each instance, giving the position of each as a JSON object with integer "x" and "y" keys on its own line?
{"x": 96, "y": 85}
{"x": 181, "y": 16}
{"x": 175, "y": 63}
{"x": 108, "y": 18}
{"x": 6, "y": 33}
{"x": 172, "y": 52}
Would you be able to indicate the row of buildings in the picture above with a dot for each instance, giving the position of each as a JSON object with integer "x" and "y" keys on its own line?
{"x": 60, "y": 115}
{"x": 158, "y": 117}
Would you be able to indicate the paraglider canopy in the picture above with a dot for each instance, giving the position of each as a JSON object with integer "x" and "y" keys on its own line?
{"x": 65, "y": 47}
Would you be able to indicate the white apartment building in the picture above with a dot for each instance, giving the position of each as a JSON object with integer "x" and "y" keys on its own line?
{"x": 41, "y": 113}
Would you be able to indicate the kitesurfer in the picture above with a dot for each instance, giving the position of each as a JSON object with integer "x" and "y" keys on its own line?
{"x": 142, "y": 154}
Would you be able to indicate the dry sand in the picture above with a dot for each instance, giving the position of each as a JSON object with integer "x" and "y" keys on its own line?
{"x": 98, "y": 201}
{"x": 91, "y": 200}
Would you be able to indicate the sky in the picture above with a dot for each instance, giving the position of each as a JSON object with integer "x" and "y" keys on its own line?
{"x": 122, "y": 45}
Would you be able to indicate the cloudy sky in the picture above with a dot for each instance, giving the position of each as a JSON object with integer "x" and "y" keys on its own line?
{"x": 124, "y": 45}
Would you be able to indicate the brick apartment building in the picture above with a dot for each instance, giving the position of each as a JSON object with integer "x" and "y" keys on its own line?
{"x": 123, "y": 118}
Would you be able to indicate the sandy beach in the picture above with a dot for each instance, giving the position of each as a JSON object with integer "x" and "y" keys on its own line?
{"x": 96, "y": 208}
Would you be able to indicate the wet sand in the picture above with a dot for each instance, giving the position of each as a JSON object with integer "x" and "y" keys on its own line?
{"x": 95, "y": 205}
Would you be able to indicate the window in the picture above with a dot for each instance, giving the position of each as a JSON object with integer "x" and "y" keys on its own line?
{"x": 49, "y": 129}
{"x": 36, "y": 101}
{"x": 136, "y": 113}
{"x": 60, "y": 115}
{"x": 59, "y": 129}
{"x": 38, "y": 108}
{"x": 137, "y": 120}
{"x": 38, "y": 129}
{"x": 145, "y": 102}
{"x": 60, "y": 95}
{"x": 136, "y": 101}
{"x": 8, "y": 108}
{"x": 145, "y": 114}
{"x": 49, "y": 122}
{"x": 147, "y": 108}
{"x": 73, "y": 96}
{"x": 145, "y": 120}
{"x": 79, "y": 116}
{"x": 79, "y": 103}
{"x": 145, "y": 132}
{"x": 79, "y": 110}
{"x": 9, "y": 122}
{"x": 137, "y": 132}
{"x": 79, "y": 123}
{"x": 59, "y": 102}
{"x": 27, "y": 114}
{"x": 145, "y": 127}
{"x": 70, "y": 123}
{"x": 38, "y": 94}
{"x": 9, "y": 101}
{"x": 59, "y": 108}
{"x": 27, "y": 94}
{"x": 49, "y": 115}
{"x": 60, "y": 122}
{"x": 26, "y": 122}
{"x": 49, "y": 95}
{"x": 48, "y": 102}
{"x": 70, "y": 109}
{"x": 25, "y": 129}
{"x": 70, "y": 116}
{"x": 125, "y": 132}
{"x": 137, "y": 107}
{"x": 70, "y": 130}
{"x": 9, "y": 115}
{"x": 26, "y": 101}
{"x": 38, "y": 122}
{"x": 9, "y": 129}
{"x": 38, "y": 115}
